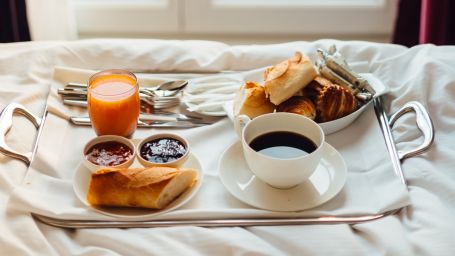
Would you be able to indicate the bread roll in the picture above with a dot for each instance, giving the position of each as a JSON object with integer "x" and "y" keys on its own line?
{"x": 284, "y": 80}
{"x": 250, "y": 100}
{"x": 153, "y": 187}
{"x": 298, "y": 105}
{"x": 332, "y": 101}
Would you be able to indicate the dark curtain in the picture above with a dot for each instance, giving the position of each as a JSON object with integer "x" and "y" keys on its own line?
{"x": 13, "y": 21}
{"x": 425, "y": 21}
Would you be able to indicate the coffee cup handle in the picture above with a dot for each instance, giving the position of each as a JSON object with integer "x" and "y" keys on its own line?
{"x": 240, "y": 122}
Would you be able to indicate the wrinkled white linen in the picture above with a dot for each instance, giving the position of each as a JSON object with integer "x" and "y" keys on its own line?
{"x": 421, "y": 73}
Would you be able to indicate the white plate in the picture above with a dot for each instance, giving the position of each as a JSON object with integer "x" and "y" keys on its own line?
{"x": 325, "y": 183}
{"x": 340, "y": 123}
{"x": 81, "y": 182}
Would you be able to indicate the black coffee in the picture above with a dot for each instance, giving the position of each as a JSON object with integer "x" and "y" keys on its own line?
{"x": 282, "y": 144}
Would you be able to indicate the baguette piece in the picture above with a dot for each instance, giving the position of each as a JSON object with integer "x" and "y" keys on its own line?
{"x": 285, "y": 79}
{"x": 250, "y": 100}
{"x": 154, "y": 187}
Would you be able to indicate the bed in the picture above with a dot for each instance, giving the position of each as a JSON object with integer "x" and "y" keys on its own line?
{"x": 423, "y": 227}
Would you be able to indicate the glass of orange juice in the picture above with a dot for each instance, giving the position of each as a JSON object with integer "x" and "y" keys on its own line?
{"x": 113, "y": 102}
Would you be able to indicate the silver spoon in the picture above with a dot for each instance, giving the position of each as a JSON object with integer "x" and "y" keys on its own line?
{"x": 173, "y": 86}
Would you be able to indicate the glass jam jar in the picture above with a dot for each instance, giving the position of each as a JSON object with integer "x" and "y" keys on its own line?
{"x": 113, "y": 102}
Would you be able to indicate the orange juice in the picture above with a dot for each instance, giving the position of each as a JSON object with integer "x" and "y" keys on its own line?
{"x": 113, "y": 102}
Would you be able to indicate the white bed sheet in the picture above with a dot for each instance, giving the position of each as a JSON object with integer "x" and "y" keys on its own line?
{"x": 424, "y": 73}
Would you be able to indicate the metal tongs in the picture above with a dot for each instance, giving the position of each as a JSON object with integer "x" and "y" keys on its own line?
{"x": 334, "y": 67}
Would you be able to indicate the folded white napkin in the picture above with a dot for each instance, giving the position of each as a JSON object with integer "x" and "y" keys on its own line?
{"x": 207, "y": 95}
{"x": 371, "y": 186}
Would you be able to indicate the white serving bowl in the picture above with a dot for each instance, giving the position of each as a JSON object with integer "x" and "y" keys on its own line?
{"x": 107, "y": 138}
{"x": 175, "y": 163}
{"x": 340, "y": 123}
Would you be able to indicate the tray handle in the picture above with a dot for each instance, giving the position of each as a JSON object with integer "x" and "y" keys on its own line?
{"x": 6, "y": 121}
{"x": 424, "y": 124}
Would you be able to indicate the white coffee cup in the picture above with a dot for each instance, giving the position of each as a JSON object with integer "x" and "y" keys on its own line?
{"x": 281, "y": 172}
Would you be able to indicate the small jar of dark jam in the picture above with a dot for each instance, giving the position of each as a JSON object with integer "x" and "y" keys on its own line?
{"x": 163, "y": 149}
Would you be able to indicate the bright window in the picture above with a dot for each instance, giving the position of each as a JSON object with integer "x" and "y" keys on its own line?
{"x": 187, "y": 18}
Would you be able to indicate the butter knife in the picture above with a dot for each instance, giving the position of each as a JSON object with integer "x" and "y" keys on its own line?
{"x": 158, "y": 118}
{"x": 174, "y": 118}
{"x": 85, "y": 121}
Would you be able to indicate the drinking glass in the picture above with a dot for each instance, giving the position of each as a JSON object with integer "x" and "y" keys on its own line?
{"x": 113, "y": 102}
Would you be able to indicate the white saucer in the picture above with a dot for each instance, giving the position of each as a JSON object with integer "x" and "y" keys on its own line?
{"x": 81, "y": 182}
{"x": 328, "y": 179}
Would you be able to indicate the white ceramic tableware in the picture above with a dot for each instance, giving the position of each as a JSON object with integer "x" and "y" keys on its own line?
{"x": 174, "y": 163}
{"x": 340, "y": 123}
{"x": 324, "y": 184}
{"x": 81, "y": 183}
{"x": 282, "y": 172}
{"x": 108, "y": 138}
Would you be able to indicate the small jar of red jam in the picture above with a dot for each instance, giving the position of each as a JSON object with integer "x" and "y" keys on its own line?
{"x": 109, "y": 151}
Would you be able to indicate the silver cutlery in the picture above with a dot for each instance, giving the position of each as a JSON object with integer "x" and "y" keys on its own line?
{"x": 166, "y": 86}
{"x": 168, "y": 118}
{"x": 143, "y": 93}
{"x": 165, "y": 95}
{"x": 75, "y": 102}
{"x": 82, "y": 95}
{"x": 71, "y": 92}
{"x": 166, "y": 123}
{"x": 166, "y": 89}
{"x": 170, "y": 113}
{"x": 146, "y": 105}
{"x": 145, "y": 109}
{"x": 173, "y": 124}
{"x": 76, "y": 86}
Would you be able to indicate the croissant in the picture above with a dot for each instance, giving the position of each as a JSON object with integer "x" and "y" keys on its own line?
{"x": 299, "y": 105}
{"x": 332, "y": 101}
